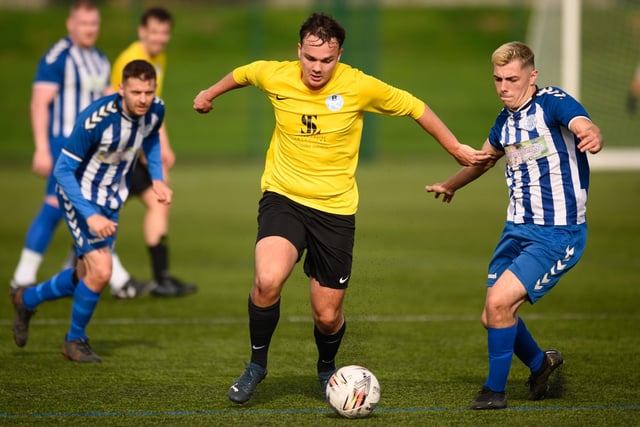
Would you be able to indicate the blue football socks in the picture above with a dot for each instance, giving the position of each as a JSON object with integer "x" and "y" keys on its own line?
{"x": 84, "y": 304}
{"x": 59, "y": 286}
{"x": 42, "y": 227}
{"x": 526, "y": 348}
{"x": 500, "y": 344}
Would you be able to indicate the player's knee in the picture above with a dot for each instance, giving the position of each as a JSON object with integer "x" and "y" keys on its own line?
{"x": 497, "y": 312}
{"x": 99, "y": 274}
{"x": 328, "y": 320}
{"x": 265, "y": 281}
{"x": 327, "y": 326}
{"x": 266, "y": 288}
{"x": 494, "y": 304}
{"x": 483, "y": 319}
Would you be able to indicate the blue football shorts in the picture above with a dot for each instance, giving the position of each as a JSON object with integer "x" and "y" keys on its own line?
{"x": 538, "y": 255}
{"x": 84, "y": 239}
{"x": 328, "y": 238}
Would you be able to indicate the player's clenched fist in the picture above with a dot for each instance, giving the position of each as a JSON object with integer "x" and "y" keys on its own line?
{"x": 202, "y": 103}
{"x": 163, "y": 192}
{"x": 101, "y": 226}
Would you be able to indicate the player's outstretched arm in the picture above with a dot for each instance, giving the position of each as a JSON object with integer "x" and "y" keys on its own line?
{"x": 203, "y": 102}
{"x": 440, "y": 189}
{"x": 465, "y": 175}
{"x": 464, "y": 155}
{"x": 591, "y": 139}
{"x": 448, "y": 188}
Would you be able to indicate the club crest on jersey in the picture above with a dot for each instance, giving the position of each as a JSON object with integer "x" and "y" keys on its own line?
{"x": 334, "y": 102}
{"x": 529, "y": 123}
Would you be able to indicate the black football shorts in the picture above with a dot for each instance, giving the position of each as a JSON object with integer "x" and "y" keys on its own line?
{"x": 140, "y": 180}
{"x": 327, "y": 238}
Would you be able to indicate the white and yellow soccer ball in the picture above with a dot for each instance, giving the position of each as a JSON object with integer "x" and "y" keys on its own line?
{"x": 353, "y": 391}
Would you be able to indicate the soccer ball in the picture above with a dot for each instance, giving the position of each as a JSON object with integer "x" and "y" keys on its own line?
{"x": 353, "y": 391}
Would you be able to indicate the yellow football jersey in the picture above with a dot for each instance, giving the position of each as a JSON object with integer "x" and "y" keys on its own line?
{"x": 135, "y": 51}
{"x": 313, "y": 153}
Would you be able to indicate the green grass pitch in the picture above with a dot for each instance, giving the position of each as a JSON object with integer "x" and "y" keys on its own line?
{"x": 413, "y": 310}
{"x": 417, "y": 290}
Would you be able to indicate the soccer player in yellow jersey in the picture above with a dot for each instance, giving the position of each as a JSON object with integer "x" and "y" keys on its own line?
{"x": 154, "y": 33}
{"x": 310, "y": 195}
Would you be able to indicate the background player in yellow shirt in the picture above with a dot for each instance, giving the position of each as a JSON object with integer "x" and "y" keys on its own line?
{"x": 154, "y": 33}
{"x": 309, "y": 189}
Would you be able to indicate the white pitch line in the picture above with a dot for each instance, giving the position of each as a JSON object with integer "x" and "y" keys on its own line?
{"x": 417, "y": 318}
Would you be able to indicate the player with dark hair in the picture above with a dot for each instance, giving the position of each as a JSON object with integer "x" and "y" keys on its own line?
{"x": 71, "y": 74}
{"x": 310, "y": 195}
{"x": 545, "y": 135}
{"x": 93, "y": 175}
{"x": 154, "y": 33}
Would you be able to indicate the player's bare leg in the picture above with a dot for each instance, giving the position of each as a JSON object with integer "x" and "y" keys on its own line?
{"x": 329, "y": 327}
{"x": 156, "y": 229}
{"x": 275, "y": 258}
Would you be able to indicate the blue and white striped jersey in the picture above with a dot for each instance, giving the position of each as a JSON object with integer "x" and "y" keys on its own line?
{"x": 96, "y": 162}
{"x": 82, "y": 74}
{"x": 547, "y": 176}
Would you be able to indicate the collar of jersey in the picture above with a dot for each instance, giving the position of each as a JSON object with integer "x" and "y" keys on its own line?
{"x": 526, "y": 104}
{"x": 119, "y": 101}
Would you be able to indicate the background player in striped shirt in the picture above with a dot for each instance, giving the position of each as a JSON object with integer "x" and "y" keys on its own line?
{"x": 71, "y": 74}
{"x": 545, "y": 135}
{"x": 310, "y": 195}
{"x": 154, "y": 33}
{"x": 93, "y": 175}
